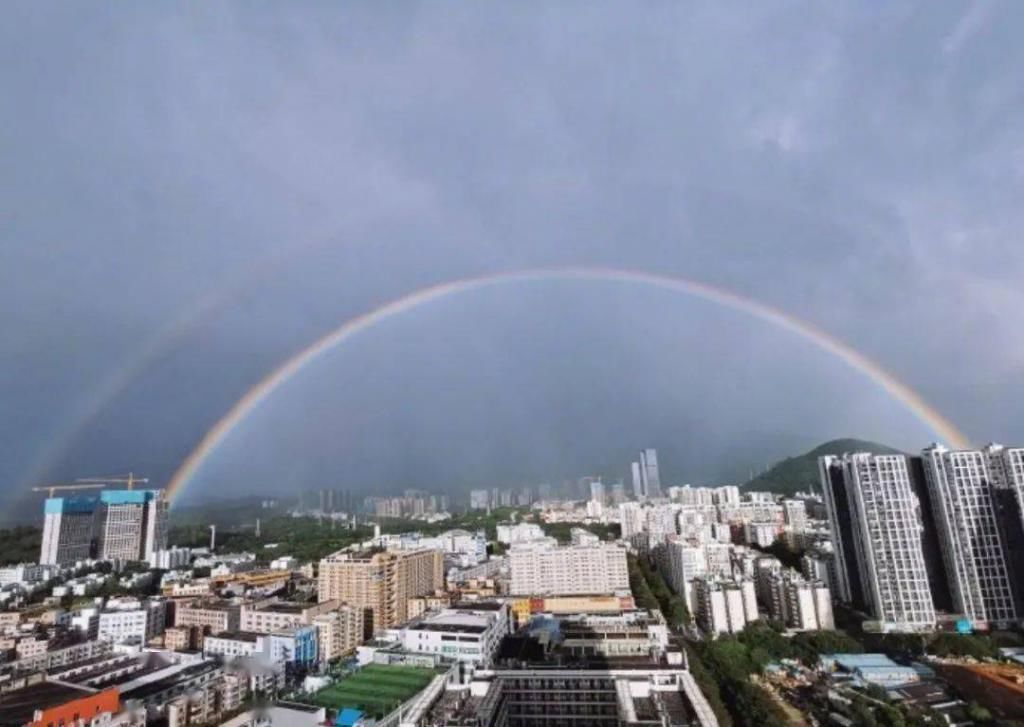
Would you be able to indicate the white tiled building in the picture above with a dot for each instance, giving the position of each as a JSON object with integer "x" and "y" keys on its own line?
{"x": 469, "y": 633}
{"x": 724, "y": 606}
{"x": 542, "y": 569}
{"x": 961, "y": 487}
{"x": 875, "y": 522}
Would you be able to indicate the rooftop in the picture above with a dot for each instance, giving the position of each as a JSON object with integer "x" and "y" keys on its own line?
{"x": 249, "y": 636}
{"x": 19, "y": 706}
{"x": 289, "y": 607}
{"x": 211, "y": 605}
{"x": 148, "y": 689}
{"x": 453, "y": 621}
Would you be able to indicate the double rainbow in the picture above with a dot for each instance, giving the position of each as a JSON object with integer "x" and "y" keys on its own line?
{"x": 899, "y": 391}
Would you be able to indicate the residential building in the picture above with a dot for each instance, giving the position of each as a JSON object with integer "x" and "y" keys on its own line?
{"x": 962, "y": 489}
{"x": 876, "y": 530}
{"x": 339, "y": 632}
{"x": 69, "y": 525}
{"x": 132, "y": 622}
{"x": 800, "y": 604}
{"x": 723, "y": 606}
{"x": 232, "y": 644}
{"x": 588, "y": 569}
{"x": 380, "y": 583}
{"x": 132, "y": 524}
{"x": 271, "y": 615}
{"x": 760, "y": 534}
{"x": 795, "y": 514}
{"x": 170, "y": 558}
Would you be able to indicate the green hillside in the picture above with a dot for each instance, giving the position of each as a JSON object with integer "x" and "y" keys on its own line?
{"x": 801, "y": 472}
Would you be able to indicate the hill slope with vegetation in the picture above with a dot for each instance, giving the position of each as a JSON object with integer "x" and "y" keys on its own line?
{"x": 800, "y": 473}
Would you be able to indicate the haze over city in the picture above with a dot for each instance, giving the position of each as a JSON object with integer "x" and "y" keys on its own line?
{"x": 190, "y": 198}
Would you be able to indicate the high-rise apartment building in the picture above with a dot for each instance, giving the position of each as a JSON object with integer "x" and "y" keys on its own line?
{"x": 69, "y": 530}
{"x": 876, "y": 526}
{"x": 133, "y": 524}
{"x": 542, "y": 569}
{"x": 381, "y": 583}
{"x": 962, "y": 485}
{"x": 119, "y": 524}
{"x": 1009, "y": 498}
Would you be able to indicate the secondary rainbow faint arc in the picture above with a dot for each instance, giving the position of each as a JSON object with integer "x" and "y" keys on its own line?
{"x": 898, "y": 390}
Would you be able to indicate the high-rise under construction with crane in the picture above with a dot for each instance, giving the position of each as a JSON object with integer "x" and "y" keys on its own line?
{"x": 118, "y": 524}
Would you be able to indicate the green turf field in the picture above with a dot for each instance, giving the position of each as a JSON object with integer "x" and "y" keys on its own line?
{"x": 376, "y": 688}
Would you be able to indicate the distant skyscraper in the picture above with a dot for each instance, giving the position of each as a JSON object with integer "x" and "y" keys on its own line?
{"x": 649, "y": 475}
{"x": 479, "y": 499}
{"x": 876, "y": 530}
{"x": 638, "y": 482}
{"x": 597, "y": 491}
{"x": 618, "y": 493}
{"x": 69, "y": 525}
{"x": 962, "y": 489}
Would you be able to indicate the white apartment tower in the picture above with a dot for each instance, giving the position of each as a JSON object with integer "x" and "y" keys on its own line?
{"x": 876, "y": 528}
{"x": 119, "y": 524}
{"x": 133, "y": 524}
{"x": 68, "y": 530}
{"x": 961, "y": 485}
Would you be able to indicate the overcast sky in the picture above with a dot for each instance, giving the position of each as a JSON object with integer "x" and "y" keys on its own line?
{"x": 191, "y": 193}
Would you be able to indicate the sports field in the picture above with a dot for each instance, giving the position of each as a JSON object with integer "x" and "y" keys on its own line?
{"x": 376, "y": 688}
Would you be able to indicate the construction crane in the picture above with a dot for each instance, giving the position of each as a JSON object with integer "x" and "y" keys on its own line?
{"x": 52, "y": 489}
{"x": 129, "y": 479}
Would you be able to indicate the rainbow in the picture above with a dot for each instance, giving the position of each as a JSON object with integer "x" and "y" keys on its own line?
{"x": 898, "y": 390}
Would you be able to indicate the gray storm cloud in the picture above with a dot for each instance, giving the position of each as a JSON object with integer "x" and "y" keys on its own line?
{"x": 860, "y": 166}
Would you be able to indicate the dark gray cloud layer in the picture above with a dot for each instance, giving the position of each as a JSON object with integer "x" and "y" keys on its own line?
{"x": 247, "y": 178}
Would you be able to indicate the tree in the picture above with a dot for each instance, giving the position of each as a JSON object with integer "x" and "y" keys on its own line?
{"x": 808, "y": 646}
{"x": 978, "y": 714}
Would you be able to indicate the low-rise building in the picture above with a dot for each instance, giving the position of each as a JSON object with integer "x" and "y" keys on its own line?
{"x": 270, "y": 615}
{"x": 511, "y": 533}
{"x": 470, "y": 632}
{"x": 232, "y": 644}
{"x": 212, "y": 616}
{"x": 130, "y": 621}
